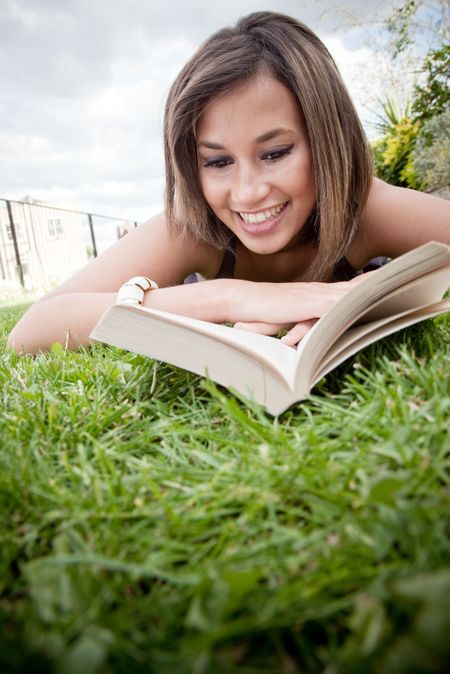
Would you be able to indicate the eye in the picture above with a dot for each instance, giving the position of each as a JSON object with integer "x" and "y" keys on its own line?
{"x": 277, "y": 153}
{"x": 217, "y": 162}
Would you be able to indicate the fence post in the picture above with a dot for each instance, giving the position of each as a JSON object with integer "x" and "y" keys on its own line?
{"x": 91, "y": 227}
{"x": 15, "y": 244}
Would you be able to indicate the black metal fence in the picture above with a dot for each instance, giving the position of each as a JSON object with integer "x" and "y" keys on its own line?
{"x": 41, "y": 246}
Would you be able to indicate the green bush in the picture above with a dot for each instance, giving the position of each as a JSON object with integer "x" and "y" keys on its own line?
{"x": 393, "y": 154}
{"x": 414, "y": 147}
{"x": 431, "y": 154}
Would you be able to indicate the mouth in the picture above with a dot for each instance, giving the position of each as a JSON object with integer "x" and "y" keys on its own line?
{"x": 262, "y": 217}
{"x": 264, "y": 222}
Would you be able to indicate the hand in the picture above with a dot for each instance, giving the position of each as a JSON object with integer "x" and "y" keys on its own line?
{"x": 294, "y": 333}
{"x": 306, "y": 301}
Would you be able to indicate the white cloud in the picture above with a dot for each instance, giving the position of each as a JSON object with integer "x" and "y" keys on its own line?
{"x": 355, "y": 66}
{"x": 84, "y": 83}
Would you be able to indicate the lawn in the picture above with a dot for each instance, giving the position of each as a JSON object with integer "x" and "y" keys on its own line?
{"x": 152, "y": 522}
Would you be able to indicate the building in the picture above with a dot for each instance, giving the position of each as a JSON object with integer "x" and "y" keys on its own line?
{"x": 51, "y": 243}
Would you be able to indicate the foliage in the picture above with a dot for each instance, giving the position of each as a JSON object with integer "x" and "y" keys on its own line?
{"x": 399, "y": 26}
{"x": 397, "y": 159}
{"x": 413, "y": 21}
{"x": 392, "y": 152}
{"x": 391, "y": 115}
{"x": 151, "y": 522}
{"x": 433, "y": 97}
{"x": 431, "y": 154}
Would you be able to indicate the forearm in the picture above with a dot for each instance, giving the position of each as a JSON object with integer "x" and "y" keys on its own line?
{"x": 69, "y": 318}
{"x": 207, "y": 300}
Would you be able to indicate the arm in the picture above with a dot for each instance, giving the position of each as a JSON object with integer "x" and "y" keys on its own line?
{"x": 68, "y": 318}
{"x": 68, "y": 313}
{"x": 395, "y": 221}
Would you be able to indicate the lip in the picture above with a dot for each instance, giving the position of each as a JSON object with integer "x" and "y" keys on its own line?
{"x": 261, "y": 228}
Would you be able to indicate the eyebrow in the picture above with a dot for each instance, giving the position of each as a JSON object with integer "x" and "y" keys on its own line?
{"x": 269, "y": 135}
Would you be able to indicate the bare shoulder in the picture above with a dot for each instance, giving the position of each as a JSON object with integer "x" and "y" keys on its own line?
{"x": 149, "y": 250}
{"x": 396, "y": 220}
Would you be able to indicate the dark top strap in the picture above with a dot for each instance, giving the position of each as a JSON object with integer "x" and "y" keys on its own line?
{"x": 343, "y": 270}
{"x": 227, "y": 267}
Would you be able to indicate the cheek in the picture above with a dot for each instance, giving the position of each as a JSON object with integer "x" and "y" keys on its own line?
{"x": 205, "y": 185}
{"x": 211, "y": 190}
{"x": 304, "y": 182}
{"x": 297, "y": 173}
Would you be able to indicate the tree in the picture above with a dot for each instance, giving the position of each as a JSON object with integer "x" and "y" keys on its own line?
{"x": 414, "y": 148}
{"x": 431, "y": 154}
{"x": 417, "y": 24}
{"x": 432, "y": 97}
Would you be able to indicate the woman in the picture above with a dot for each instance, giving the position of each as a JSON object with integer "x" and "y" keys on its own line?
{"x": 270, "y": 196}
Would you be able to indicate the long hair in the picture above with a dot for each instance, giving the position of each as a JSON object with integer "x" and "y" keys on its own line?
{"x": 342, "y": 162}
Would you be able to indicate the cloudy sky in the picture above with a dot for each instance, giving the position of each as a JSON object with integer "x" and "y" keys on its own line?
{"x": 83, "y": 84}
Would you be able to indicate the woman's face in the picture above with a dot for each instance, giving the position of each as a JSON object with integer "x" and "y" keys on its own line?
{"x": 255, "y": 164}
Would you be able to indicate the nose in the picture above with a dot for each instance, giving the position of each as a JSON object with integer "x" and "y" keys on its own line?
{"x": 249, "y": 187}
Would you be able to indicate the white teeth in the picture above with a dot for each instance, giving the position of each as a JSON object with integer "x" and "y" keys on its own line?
{"x": 262, "y": 216}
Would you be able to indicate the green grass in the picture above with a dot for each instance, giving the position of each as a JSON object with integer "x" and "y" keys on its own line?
{"x": 151, "y": 522}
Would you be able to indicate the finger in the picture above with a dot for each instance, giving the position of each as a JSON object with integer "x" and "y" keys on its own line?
{"x": 297, "y": 333}
{"x": 259, "y": 327}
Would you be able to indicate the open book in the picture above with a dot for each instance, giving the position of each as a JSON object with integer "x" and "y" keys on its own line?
{"x": 405, "y": 291}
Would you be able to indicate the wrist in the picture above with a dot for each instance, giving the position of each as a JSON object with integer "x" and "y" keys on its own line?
{"x": 233, "y": 293}
{"x": 223, "y": 299}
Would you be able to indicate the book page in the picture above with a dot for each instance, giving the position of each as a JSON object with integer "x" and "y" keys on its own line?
{"x": 396, "y": 273}
{"x": 179, "y": 341}
{"x": 275, "y": 355}
{"x": 362, "y": 336}
{"x": 415, "y": 295}
{"x": 419, "y": 292}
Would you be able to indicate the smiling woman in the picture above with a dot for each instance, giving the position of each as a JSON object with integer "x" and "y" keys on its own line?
{"x": 286, "y": 66}
{"x": 270, "y": 196}
{"x": 257, "y": 174}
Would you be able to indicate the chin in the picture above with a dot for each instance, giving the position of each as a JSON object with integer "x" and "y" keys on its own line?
{"x": 263, "y": 247}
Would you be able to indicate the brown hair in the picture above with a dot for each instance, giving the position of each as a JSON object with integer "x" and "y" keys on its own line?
{"x": 294, "y": 55}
